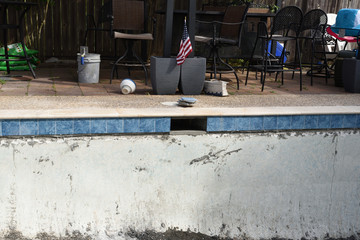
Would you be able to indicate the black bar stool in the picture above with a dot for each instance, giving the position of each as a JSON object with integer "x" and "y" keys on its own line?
{"x": 5, "y": 26}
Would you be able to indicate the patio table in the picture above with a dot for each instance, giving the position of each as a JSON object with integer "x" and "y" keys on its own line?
{"x": 22, "y": 7}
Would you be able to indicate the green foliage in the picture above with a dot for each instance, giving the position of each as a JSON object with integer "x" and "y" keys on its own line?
{"x": 273, "y": 8}
{"x": 238, "y": 2}
{"x": 238, "y": 62}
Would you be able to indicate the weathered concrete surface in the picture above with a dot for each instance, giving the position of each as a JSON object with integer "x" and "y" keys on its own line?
{"x": 252, "y": 186}
{"x": 155, "y": 101}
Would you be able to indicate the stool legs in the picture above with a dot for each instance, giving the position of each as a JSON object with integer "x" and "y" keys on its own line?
{"x": 129, "y": 52}
{"x": 26, "y": 57}
{"x": 6, "y": 52}
{"x": 25, "y": 52}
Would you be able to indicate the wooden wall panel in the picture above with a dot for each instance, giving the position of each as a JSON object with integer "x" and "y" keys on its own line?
{"x": 58, "y": 29}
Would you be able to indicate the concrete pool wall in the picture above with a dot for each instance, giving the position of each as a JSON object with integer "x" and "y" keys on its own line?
{"x": 261, "y": 185}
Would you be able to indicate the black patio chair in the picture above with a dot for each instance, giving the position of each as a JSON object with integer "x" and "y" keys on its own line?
{"x": 285, "y": 27}
{"x": 313, "y": 29}
{"x": 217, "y": 35}
{"x": 129, "y": 23}
{"x": 7, "y": 23}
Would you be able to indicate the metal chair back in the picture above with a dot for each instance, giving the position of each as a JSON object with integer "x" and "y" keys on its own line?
{"x": 314, "y": 23}
{"x": 129, "y": 15}
{"x": 233, "y": 14}
{"x": 287, "y": 20}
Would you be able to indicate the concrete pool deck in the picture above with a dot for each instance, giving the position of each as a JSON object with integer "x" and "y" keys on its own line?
{"x": 155, "y": 106}
{"x": 55, "y": 93}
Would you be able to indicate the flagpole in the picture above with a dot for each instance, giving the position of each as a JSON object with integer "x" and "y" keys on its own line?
{"x": 192, "y": 20}
{"x": 168, "y": 27}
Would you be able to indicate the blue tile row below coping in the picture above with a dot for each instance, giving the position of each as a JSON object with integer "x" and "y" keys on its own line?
{"x": 24, "y": 127}
{"x": 289, "y": 122}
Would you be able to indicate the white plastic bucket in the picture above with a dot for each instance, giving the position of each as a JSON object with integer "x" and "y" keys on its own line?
{"x": 89, "y": 68}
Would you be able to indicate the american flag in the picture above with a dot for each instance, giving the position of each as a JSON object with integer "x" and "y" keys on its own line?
{"x": 185, "y": 46}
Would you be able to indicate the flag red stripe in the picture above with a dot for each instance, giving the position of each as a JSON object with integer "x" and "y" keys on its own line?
{"x": 185, "y": 47}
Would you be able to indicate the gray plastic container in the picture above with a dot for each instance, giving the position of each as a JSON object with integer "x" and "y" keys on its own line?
{"x": 165, "y": 75}
{"x": 90, "y": 70}
{"x": 192, "y": 76}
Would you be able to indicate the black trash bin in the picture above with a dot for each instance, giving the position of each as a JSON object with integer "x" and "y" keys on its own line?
{"x": 351, "y": 75}
{"x": 344, "y": 54}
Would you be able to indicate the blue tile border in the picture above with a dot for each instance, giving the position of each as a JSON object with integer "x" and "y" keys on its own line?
{"x": 270, "y": 123}
{"x": 47, "y": 127}
{"x": 64, "y": 126}
{"x": 98, "y": 126}
{"x": 29, "y": 127}
{"x": 283, "y": 122}
{"x": 34, "y": 127}
{"x": 115, "y": 125}
{"x": 162, "y": 125}
{"x": 10, "y": 127}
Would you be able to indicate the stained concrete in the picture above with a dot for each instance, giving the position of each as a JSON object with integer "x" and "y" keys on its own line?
{"x": 286, "y": 185}
{"x": 204, "y": 101}
{"x": 165, "y": 106}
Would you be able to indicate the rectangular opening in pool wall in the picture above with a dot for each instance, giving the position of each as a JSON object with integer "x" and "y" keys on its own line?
{"x": 188, "y": 124}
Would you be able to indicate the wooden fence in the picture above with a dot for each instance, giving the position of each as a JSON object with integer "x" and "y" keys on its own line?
{"x": 57, "y": 27}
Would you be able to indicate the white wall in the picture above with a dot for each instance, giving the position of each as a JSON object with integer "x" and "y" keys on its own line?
{"x": 288, "y": 185}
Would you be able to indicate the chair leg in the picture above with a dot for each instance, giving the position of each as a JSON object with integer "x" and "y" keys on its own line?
{"x": 25, "y": 52}
{"x": 114, "y": 68}
{"x": 251, "y": 59}
{"x": 265, "y": 64}
{"x": 129, "y": 53}
{"x": 117, "y": 72}
{"x": 325, "y": 60}
{"x": 86, "y": 33}
{"x": 143, "y": 65}
{"x": 263, "y": 77}
{"x": 27, "y": 59}
{"x": 300, "y": 66}
{"x": 233, "y": 70}
{"x": 6, "y": 52}
{"x": 247, "y": 75}
{"x": 312, "y": 62}
{"x": 214, "y": 62}
{"x": 95, "y": 41}
{"x": 115, "y": 48}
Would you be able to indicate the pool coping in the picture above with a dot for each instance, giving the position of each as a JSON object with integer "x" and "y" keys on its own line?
{"x": 94, "y": 121}
{"x": 172, "y": 112}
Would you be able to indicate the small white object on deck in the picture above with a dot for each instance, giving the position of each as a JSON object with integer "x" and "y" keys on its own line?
{"x": 216, "y": 87}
